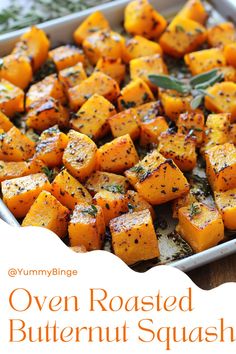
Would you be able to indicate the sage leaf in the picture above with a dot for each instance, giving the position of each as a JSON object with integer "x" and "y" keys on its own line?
{"x": 196, "y": 101}
{"x": 169, "y": 83}
{"x": 212, "y": 81}
{"x": 202, "y": 78}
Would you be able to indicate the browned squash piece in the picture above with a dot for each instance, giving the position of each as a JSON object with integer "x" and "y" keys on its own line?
{"x": 134, "y": 238}
{"x": 230, "y": 54}
{"x": 117, "y": 155}
{"x": 205, "y": 60}
{"x": 226, "y": 205}
{"x": 80, "y": 155}
{"x": 20, "y": 193}
{"x": 220, "y": 121}
{"x": 94, "y": 22}
{"x": 222, "y": 34}
{"x": 66, "y": 56}
{"x": 11, "y": 98}
{"x": 232, "y": 134}
{"x": 10, "y": 170}
{"x": 186, "y": 200}
{"x": 142, "y": 19}
{"x": 17, "y": 70}
{"x": 48, "y": 87}
{"x": 51, "y": 146}
{"x": 174, "y": 103}
{"x": 138, "y": 203}
{"x": 139, "y": 46}
{"x": 192, "y": 123}
{"x": 112, "y": 204}
{"x": 15, "y": 146}
{"x": 180, "y": 148}
{"x": 124, "y": 123}
{"x": 229, "y": 73}
{"x": 194, "y": 10}
{"x": 46, "y": 113}
{"x": 92, "y": 117}
{"x": 87, "y": 227}
{"x": 221, "y": 167}
{"x": 201, "y": 226}
{"x": 5, "y": 122}
{"x": 109, "y": 181}
{"x": 69, "y": 191}
{"x": 112, "y": 67}
{"x": 47, "y": 212}
{"x": 151, "y": 129}
{"x": 157, "y": 179}
{"x": 98, "y": 83}
{"x": 35, "y": 45}
{"x": 72, "y": 76}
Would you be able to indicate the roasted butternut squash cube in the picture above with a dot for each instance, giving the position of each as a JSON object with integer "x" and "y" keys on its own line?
{"x": 80, "y": 155}
{"x": 182, "y": 36}
{"x": 180, "y": 148}
{"x": 157, "y": 179}
{"x": 98, "y": 83}
{"x": 112, "y": 67}
{"x": 87, "y": 227}
{"x": 51, "y": 146}
{"x": 20, "y": 193}
{"x": 232, "y": 134}
{"x": 226, "y": 205}
{"x": 112, "y": 204}
{"x": 194, "y": 10}
{"x": 229, "y": 73}
{"x": 46, "y": 113}
{"x": 134, "y": 238}
{"x": 48, "y": 87}
{"x": 230, "y": 54}
{"x": 221, "y": 167}
{"x": 92, "y": 117}
{"x": 221, "y": 98}
{"x": 141, "y": 68}
{"x": 10, "y": 170}
{"x": 15, "y": 146}
{"x": 151, "y": 129}
{"x": 11, "y": 98}
{"x": 221, "y": 34}
{"x": 48, "y": 212}
{"x": 213, "y": 137}
{"x": 186, "y": 200}
{"x": 139, "y": 46}
{"x": 205, "y": 60}
{"x": 148, "y": 111}
{"x": 5, "y": 122}
{"x": 117, "y": 155}
{"x": 201, "y": 226}
{"x": 93, "y": 23}
{"x": 35, "y": 45}
{"x": 138, "y": 203}
{"x": 134, "y": 94}
{"x": 108, "y": 181}
{"x": 142, "y": 19}
{"x": 192, "y": 123}
{"x": 66, "y": 56}
{"x": 220, "y": 121}
{"x": 104, "y": 43}
{"x": 174, "y": 103}
{"x": 12, "y": 67}
{"x": 72, "y": 76}
{"x": 69, "y": 191}
{"x": 123, "y": 123}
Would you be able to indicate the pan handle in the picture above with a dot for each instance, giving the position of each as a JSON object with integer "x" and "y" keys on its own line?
{"x": 6, "y": 215}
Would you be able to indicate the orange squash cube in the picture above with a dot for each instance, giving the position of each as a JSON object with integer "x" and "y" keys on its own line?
{"x": 192, "y": 122}
{"x": 151, "y": 129}
{"x": 10, "y": 170}
{"x": 220, "y": 121}
{"x": 139, "y": 46}
{"x": 123, "y": 123}
{"x": 229, "y": 73}
{"x": 5, "y": 122}
{"x": 72, "y": 76}
{"x": 174, "y": 103}
{"x": 205, "y": 60}
{"x": 221, "y": 34}
{"x": 66, "y": 56}
{"x": 232, "y": 134}
{"x": 194, "y": 10}
{"x": 109, "y": 181}
{"x": 186, "y": 200}
{"x": 12, "y": 67}
{"x": 230, "y": 54}
{"x": 11, "y": 98}
{"x": 112, "y": 67}
{"x": 226, "y": 205}
{"x": 138, "y": 203}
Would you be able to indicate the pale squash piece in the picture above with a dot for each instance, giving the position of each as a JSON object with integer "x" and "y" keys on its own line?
{"x": 15, "y": 146}
{"x": 92, "y": 117}
{"x": 205, "y": 60}
{"x": 229, "y": 73}
{"x": 80, "y": 155}
{"x": 222, "y": 98}
{"x": 186, "y": 200}
{"x": 47, "y": 212}
{"x": 151, "y": 129}
{"x": 139, "y": 46}
{"x": 180, "y": 148}
{"x": 226, "y": 205}
{"x": 109, "y": 181}
{"x": 112, "y": 204}
{"x": 230, "y": 54}
{"x": 98, "y": 83}
{"x": 20, "y": 193}
{"x": 66, "y": 56}
{"x": 138, "y": 203}
{"x": 123, "y": 123}
{"x": 69, "y": 191}
{"x": 135, "y": 93}
{"x": 232, "y": 133}
{"x": 12, "y": 67}
{"x": 148, "y": 111}
{"x": 221, "y": 167}
{"x": 94, "y": 22}
{"x": 72, "y": 76}
{"x": 5, "y": 122}
{"x": 112, "y": 67}
{"x": 194, "y": 10}
{"x": 182, "y": 36}
{"x": 220, "y": 121}
{"x": 213, "y": 137}
{"x": 157, "y": 179}
{"x": 117, "y": 155}
{"x": 142, "y": 19}
{"x": 192, "y": 123}
{"x": 202, "y": 227}
{"x": 11, "y": 98}
{"x": 10, "y": 170}
{"x": 221, "y": 34}
{"x": 35, "y": 45}
{"x": 51, "y": 146}
{"x": 134, "y": 238}
{"x": 141, "y": 68}
{"x": 174, "y": 104}
{"x": 87, "y": 227}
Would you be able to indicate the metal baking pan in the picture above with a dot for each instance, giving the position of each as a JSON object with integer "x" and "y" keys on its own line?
{"x": 60, "y": 31}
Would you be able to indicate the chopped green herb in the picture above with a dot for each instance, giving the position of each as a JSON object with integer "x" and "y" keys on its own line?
{"x": 194, "y": 209}
{"x": 91, "y": 210}
{"x": 131, "y": 207}
{"x": 50, "y": 173}
{"x": 179, "y": 28}
{"x": 115, "y": 188}
{"x": 128, "y": 104}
